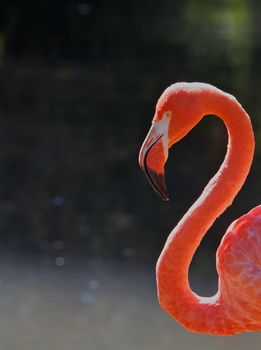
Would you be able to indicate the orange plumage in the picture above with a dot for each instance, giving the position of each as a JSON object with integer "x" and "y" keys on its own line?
{"x": 236, "y": 307}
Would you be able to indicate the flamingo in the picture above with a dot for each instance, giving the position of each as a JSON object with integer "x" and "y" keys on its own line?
{"x": 236, "y": 307}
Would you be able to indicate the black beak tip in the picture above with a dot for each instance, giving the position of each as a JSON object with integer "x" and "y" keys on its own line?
{"x": 164, "y": 195}
{"x": 166, "y": 199}
{"x": 158, "y": 183}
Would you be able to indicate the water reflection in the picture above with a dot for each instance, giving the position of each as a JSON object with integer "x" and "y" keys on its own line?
{"x": 99, "y": 304}
{"x": 60, "y": 261}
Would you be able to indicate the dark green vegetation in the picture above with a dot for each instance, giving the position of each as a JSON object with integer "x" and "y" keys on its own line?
{"x": 78, "y": 86}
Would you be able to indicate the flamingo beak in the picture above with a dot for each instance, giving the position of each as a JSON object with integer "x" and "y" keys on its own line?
{"x": 152, "y": 158}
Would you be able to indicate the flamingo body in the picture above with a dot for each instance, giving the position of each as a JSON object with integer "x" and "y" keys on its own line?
{"x": 236, "y": 307}
{"x": 239, "y": 269}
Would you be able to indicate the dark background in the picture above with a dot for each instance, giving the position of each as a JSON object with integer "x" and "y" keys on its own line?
{"x": 78, "y": 84}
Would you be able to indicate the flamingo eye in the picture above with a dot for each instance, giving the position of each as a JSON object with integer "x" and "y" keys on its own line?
{"x": 162, "y": 117}
{"x": 167, "y": 115}
{"x": 163, "y": 123}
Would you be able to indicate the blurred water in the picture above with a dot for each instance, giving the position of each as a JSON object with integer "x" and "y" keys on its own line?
{"x": 91, "y": 305}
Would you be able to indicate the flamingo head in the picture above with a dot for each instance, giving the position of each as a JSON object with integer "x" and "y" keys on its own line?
{"x": 178, "y": 110}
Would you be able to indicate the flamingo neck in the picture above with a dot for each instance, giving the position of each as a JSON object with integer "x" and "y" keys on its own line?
{"x": 175, "y": 295}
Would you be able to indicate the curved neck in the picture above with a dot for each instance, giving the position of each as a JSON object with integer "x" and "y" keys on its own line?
{"x": 175, "y": 295}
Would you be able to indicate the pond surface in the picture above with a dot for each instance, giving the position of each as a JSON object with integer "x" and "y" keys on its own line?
{"x": 95, "y": 305}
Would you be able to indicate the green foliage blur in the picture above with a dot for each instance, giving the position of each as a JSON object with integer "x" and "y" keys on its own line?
{"x": 78, "y": 86}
